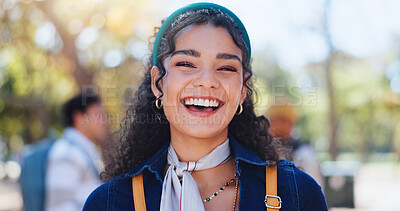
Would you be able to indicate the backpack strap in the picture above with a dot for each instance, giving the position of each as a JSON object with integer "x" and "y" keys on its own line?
{"x": 272, "y": 201}
{"x": 138, "y": 193}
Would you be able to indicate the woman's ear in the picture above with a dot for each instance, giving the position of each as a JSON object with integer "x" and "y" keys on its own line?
{"x": 154, "y": 77}
{"x": 243, "y": 94}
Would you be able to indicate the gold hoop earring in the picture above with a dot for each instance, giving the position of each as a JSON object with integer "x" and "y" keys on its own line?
{"x": 158, "y": 103}
{"x": 240, "y": 110}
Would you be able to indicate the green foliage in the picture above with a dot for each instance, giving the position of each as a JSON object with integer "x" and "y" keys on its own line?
{"x": 44, "y": 62}
{"x": 367, "y": 110}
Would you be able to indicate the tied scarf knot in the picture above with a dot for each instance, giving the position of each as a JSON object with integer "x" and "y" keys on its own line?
{"x": 184, "y": 167}
{"x": 180, "y": 191}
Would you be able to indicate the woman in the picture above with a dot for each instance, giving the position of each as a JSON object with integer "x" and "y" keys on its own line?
{"x": 192, "y": 131}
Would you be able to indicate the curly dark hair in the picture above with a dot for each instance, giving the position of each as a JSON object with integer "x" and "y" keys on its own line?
{"x": 145, "y": 128}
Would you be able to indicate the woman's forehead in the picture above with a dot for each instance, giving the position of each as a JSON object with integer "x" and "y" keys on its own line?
{"x": 207, "y": 38}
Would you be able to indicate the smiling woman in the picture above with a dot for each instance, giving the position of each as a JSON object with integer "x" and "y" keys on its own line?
{"x": 202, "y": 146}
{"x": 204, "y": 66}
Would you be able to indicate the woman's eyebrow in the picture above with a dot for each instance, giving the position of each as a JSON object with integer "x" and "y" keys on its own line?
{"x": 228, "y": 56}
{"x": 189, "y": 52}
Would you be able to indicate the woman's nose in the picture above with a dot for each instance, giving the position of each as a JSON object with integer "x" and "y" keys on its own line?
{"x": 207, "y": 78}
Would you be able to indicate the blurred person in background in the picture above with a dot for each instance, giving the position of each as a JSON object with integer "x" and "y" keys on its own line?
{"x": 74, "y": 161}
{"x": 283, "y": 117}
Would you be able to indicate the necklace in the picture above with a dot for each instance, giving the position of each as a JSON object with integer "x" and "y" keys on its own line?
{"x": 236, "y": 191}
{"x": 220, "y": 190}
{"x": 223, "y": 188}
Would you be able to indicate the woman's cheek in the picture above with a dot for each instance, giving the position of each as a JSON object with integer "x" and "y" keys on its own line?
{"x": 172, "y": 91}
{"x": 234, "y": 89}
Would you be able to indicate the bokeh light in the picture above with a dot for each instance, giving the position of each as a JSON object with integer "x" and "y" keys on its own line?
{"x": 13, "y": 169}
{"x": 45, "y": 35}
{"x": 395, "y": 84}
{"x": 88, "y": 36}
{"x": 393, "y": 70}
{"x": 75, "y": 26}
{"x": 113, "y": 58}
{"x": 98, "y": 20}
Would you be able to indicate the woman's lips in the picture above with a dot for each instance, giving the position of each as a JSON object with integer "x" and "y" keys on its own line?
{"x": 205, "y": 112}
{"x": 203, "y": 106}
{"x": 194, "y": 108}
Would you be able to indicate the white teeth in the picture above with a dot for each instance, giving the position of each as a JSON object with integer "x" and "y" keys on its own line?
{"x": 212, "y": 103}
{"x": 206, "y": 103}
{"x": 202, "y": 102}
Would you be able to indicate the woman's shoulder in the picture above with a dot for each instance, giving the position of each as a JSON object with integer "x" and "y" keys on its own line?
{"x": 287, "y": 169}
{"x": 97, "y": 200}
{"x": 308, "y": 191}
{"x": 101, "y": 198}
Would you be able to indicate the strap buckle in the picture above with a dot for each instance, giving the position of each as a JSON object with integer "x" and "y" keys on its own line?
{"x": 270, "y": 206}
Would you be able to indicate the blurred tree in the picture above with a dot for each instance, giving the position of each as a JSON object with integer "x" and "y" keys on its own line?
{"x": 333, "y": 123}
{"x": 50, "y": 50}
{"x": 367, "y": 111}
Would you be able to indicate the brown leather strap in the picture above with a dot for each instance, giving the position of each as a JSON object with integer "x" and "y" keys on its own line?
{"x": 138, "y": 193}
{"x": 271, "y": 188}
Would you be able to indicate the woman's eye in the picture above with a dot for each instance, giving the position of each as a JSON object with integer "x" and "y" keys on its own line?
{"x": 228, "y": 68}
{"x": 185, "y": 64}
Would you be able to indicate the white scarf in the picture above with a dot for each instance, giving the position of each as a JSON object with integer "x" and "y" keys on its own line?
{"x": 186, "y": 196}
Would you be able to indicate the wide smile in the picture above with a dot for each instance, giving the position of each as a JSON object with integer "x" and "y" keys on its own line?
{"x": 202, "y": 106}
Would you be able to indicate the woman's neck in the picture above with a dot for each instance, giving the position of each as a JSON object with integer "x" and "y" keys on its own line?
{"x": 208, "y": 180}
{"x": 192, "y": 148}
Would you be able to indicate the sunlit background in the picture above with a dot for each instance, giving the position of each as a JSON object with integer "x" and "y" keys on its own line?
{"x": 337, "y": 61}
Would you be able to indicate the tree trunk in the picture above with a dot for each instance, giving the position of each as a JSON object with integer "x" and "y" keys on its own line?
{"x": 330, "y": 88}
{"x": 81, "y": 75}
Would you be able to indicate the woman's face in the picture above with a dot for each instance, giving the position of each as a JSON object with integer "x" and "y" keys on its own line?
{"x": 203, "y": 85}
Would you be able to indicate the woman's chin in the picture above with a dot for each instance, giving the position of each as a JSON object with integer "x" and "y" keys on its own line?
{"x": 202, "y": 131}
